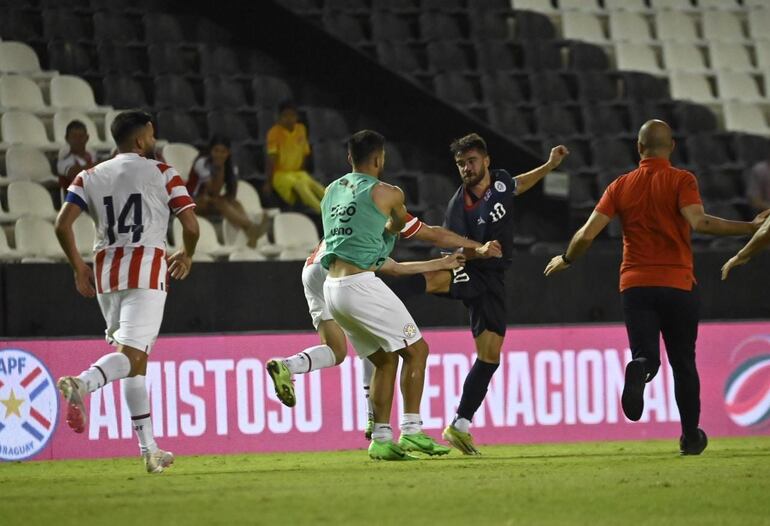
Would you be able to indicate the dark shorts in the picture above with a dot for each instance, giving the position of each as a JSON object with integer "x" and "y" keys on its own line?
{"x": 483, "y": 293}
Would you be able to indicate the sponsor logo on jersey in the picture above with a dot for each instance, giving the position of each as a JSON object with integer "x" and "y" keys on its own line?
{"x": 29, "y": 405}
{"x": 480, "y": 221}
{"x": 500, "y": 186}
{"x": 747, "y": 389}
{"x": 410, "y": 331}
{"x": 487, "y": 194}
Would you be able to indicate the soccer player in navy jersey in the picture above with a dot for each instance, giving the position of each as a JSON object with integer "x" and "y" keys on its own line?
{"x": 482, "y": 210}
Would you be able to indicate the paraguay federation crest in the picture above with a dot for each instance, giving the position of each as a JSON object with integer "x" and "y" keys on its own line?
{"x": 29, "y": 405}
{"x": 747, "y": 390}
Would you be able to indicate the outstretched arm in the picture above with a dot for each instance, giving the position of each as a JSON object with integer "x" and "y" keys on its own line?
{"x": 701, "y": 222}
{"x": 527, "y": 180}
{"x": 580, "y": 243}
{"x": 395, "y": 268}
{"x": 760, "y": 240}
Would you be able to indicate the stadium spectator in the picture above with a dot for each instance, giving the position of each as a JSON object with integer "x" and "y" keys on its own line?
{"x": 658, "y": 206}
{"x": 212, "y": 172}
{"x": 75, "y": 156}
{"x": 758, "y": 186}
{"x": 287, "y": 150}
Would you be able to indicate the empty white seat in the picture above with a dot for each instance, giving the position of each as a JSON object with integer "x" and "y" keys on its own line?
{"x": 730, "y": 55}
{"x": 295, "y": 234}
{"x": 628, "y": 5}
{"x": 683, "y": 56}
{"x": 577, "y": 25}
{"x": 680, "y": 5}
{"x": 85, "y": 233}
{"x": 736, "y": 85}
{"x": 632, "y": 56}
{"x": 745, "y": 117}
{"x": 541, "y": 6}
{"x": 28, "y": 198}
{"x": 721, "y": 25}
{"x": 61, "y": 120}
{"x": 35, "y": 238}
{"x": 26, "y": 163}
{"x": 625, "y": 25}
{"x": 691, "y": 86}
{"x": 68, "y": 91}
{"x": 6, "y": 252}
{"x": 761, "y": 4}
{"x": 579, "y": 5}
{"x": 730, "y": 5}
{"x": 17, "y": 57}
{"x": 20, "y": 93}
{"x": 181, "y": 156}
{"x": 207, "y": 242}
{"x": 675, "y": 25}
{"x": 24, "y": 128}
{"x": 759, "y": 21}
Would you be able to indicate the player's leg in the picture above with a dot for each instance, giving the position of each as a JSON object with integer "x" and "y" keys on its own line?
{"x": 643, "y": 326}
{"x": 680, "y": 316}
{"x": 382, "y": 446}
{"x": 305, "y": 188}
{"x": 368, "y": 367}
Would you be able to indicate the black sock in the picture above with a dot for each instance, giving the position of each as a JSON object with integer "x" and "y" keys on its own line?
{"x": 475, "y": 388}
{"x": 408, "y": 286}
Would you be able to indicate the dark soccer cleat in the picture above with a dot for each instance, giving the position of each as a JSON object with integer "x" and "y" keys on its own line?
{"x": 633, "y": 391}
{"x": 687, "y": 447}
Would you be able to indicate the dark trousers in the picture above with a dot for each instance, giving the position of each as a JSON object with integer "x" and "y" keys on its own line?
{"x": 652, "y": 311}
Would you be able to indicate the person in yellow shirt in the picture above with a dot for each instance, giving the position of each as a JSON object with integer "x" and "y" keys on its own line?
{"x": 287, "y": 149}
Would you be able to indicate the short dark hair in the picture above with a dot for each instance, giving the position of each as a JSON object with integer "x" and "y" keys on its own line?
{"x": 472, "y": 141}
{"x": 75, "y": 125}
{"x": 127, "y": 123}
{"x": 219, "y": 140}
{"x": 287, "y": 104}
{"x": 364, "y": 143}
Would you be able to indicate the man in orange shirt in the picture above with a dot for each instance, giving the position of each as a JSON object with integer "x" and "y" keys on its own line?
{"x": 287, "y": 149}
{"x": 658, "y": 205}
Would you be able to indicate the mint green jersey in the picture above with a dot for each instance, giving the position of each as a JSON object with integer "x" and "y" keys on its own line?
{"x": 354, "y": 228}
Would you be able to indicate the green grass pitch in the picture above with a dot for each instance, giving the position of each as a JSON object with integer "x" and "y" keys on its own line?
{"x": 586, "y": 483}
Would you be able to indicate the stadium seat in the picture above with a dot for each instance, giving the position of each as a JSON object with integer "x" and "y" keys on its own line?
{"x": 162, "y": 28}
{"x": 117, "y": 58}
{"x": 675, "y": 25}
{"x": 345, "y": 27}
{"x": 677, "y": 5}
{"x": 208, "y": 244}
{"x": 219, "y": 60}
{"x": 439, "y": 26}
{"x": 644, "y": 86}
{"x": 181, "y": 156}
{"x": 174, "y": 91}
{"x": 762, "y": 49}
{"x": 542, "y": 54}
{"x": 17, "y": 57}
{"x": 736, "y": 85}
{"x": 436, "y": 189}
{"x": 541, "y": 6}
{"x": 85, "y": 234}
{"x": 6, "y": 252}
{"x": 577, "y": 25}
{"x": 60, "y": 24}
{"x": 612, "y": 154}
{"x": 231, "y": 125}
{"x": 68, "y": 91}
{"x": 759, "y": 21}
{"x": 390, "y": 27}
{"x": 167, "y": 59}
{"x": 550, "y": 87}
{"x": 621, "y": 5}
{"x": 178, "y": 126}
{"x": 330, "y": 160}
{"x": 603, "y": 120}
{"x": 625, "y": 25}
{"x": 721, "y": 25}
{"x": 528, "y": 26}
{"x": 633, "y": 56}
{"x": 116, "y": 27}
{"x": 446, "y": 56}
{"x": 455, "y": 88}
{"x": 269, "y": 92}
{"x": 584, "y": 57}
{"x": 590, "y": 6}
{"x": 20, "y": 25}
{"x": 295, "y": 234}
{"x": 36, "y": 240}
{"x": 556, "y": 120}
{"x": 751, "y": 148}
{"x": 449, "y": 6}
{"x": 21, "y": 93}
{"x": 249, "y": 159}
{"x": 706, "y": 149}
{"x": 122, "y": 91}
{"x": 500, "y": 88}
{"x": 25, "y": 163}
{"x": 326, "y": 124}
{"x": 730, "y": 55}
{"x": 398, "y": 56}
{"x": 69, "y": 58}
{"x": 719, "y": 4}
{"x": 745, "y": 117}
{"x": 224, "y": 93}
{"x": 597, "y": 86}
{"x": 28, "y": 198}
{"x": 63, "y": 117}
{"x": 693, "y": 118}
{"x": 683, "y": 56}
{"x": 489, "y": 25}
{"x": 691, "y": 86}
{"x": 24, "y": 128}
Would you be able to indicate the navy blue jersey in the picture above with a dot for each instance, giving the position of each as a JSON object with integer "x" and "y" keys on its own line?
{"x": 487, "y": 218}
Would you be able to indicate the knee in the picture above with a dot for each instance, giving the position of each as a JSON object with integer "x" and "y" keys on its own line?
{"x": 417, "y": 353}
{"x": 137, "y": 360}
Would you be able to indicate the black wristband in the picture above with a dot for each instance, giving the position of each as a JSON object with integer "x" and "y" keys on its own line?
{"x": 567, "y": 260}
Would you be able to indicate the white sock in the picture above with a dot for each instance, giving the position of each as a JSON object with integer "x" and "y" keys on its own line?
{"x": 108, "y": 368}
{"x": 368, "y": 373}
{"x": 311, "y": 359}
{"x": 462, "y": 424}
{"x": 135, "y": 392}
{"x": 410, "y": 424}
{"x": 382, "y": 433}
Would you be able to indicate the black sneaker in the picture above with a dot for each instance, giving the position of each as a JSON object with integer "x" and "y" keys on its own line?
{"x": 633, "y": 390}
{"x": 693, "y": 448}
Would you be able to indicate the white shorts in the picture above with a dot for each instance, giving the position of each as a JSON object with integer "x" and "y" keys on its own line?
{"x": 133, "y": 317}
{"x": 371, "y": 314}
{"x": 313, "y": 278}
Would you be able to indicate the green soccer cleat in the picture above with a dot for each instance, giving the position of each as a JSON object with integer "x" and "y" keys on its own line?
{"x": 388, "y": 450}
{"x": 422, "y": 443}
{"x": 369, "y": 429}
{"x": 460, "y": 440}
{"x": 284, "y": 387}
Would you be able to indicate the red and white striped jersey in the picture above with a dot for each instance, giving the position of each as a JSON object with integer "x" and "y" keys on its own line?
{"x": 130, "y": 199}
{"x": 413, "y": 224}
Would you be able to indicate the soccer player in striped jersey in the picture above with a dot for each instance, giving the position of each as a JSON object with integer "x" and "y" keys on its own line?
{"x": 130, "y": 199}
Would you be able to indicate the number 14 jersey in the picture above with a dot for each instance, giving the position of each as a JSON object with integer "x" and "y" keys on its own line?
{"x": 130, "y": 199}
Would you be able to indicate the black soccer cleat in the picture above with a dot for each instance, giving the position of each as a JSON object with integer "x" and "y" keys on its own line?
{"x": 633, "y": 390}
{"x": 693, "y": 448}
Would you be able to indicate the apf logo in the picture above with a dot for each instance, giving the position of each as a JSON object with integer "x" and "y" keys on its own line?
{"x": 747, "y": 390}
{"x": 29, "y": 405}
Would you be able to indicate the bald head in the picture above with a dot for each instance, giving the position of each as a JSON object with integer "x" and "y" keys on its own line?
{"x": 655, "y": 139}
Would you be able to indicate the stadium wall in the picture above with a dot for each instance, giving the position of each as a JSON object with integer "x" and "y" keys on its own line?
{"x": 211, "y": 394}
{"x": 39, "y": 300}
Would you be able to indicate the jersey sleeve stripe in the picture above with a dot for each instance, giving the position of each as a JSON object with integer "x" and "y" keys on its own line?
{"x": 75, "y": 199}
{"x": 115, "y": 268}
{"x": 411, "y": 228}
{"x": 155, "y": 272}
{"x": 163, "y": 167}
{"x": 134, "y": 267}
{"x": 183, "y": 201}
{"x": 98, "y": 269}
{"x": 180, "y": 210}
{"x": 173, "y": 183}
